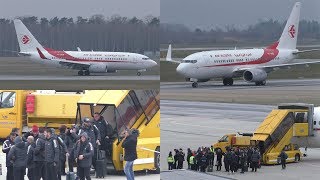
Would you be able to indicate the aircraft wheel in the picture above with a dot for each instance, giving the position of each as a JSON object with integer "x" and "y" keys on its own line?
{"x": 80, "y": 73}
{"x": 263, "y": 83}
{"x": 86, "y": 72}
{"x": 228, "y": 81}
{"x": 297, "y": 158}
{"x": 225, "y": 82}
{"x": 194, "y": 84}
{"x": 139, "y": 73}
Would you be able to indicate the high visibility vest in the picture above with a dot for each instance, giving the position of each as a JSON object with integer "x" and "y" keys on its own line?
{"x": 191, "y": 160}
{"x": 170, "y": 159}
{"x": 211, "y": 149}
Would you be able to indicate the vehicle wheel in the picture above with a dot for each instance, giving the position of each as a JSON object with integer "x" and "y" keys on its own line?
{"x": 86, "y": 73}
{"x": 157, "y": 160}
{"x": 139, "y": 73}
{"x": 194, "y": 84}
{"x": 297, "y": 158}
{"x": 80, "y": 73}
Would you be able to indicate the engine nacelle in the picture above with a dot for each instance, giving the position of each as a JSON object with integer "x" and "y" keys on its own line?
{"x": 255, "y": 75}
{"x": 98, "y": 68}
{"x": 203, "y": 80}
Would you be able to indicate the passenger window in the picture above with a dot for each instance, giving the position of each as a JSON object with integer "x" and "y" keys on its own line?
{"x": 315, "y": 123}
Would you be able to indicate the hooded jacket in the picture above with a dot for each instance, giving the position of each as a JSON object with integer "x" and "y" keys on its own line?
{"x": 130, "y": 147}
{"x": 85, "y": 149}
{"x": 18, "y": 153}
{"x": 39, "y": 149}
{"x": 51, "y": 150}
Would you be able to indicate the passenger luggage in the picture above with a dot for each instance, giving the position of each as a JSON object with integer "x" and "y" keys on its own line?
{"x": 70, "y": 175}
{"x": 210, "y": 168}
{"x": 246, "y": 168}
{"x": 101, "y": 169}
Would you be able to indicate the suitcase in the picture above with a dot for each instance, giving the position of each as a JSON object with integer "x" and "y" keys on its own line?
{"x": 210, "y": 168}
{"x": 101, "y": 164}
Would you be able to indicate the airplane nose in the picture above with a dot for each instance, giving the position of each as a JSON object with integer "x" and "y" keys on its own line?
{"x": 153, "y": 63}
{"x": 181, "y": 69}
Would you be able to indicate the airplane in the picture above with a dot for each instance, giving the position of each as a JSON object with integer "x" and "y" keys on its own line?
{"x": 85, "y": 61}
{"x": 251, "y": 64}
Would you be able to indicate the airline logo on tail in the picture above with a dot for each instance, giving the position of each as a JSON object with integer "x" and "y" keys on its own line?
{"x": 292, "y": 31}
{"x": 25, "y": 39}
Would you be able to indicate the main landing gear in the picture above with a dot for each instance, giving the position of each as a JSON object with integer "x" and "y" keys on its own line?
{"x": 138, "y": 73}
{"x": 83, "y": 73}
{"x": 194, "y": 84}
{"x": 261, "y": 83}
{"x": 228, "y": 81}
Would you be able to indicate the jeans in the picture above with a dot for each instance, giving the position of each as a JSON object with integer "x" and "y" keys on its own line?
{"x": 128, "y": 170}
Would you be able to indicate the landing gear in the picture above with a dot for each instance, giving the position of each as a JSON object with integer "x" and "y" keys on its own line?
{"x": 228, "y": 81}
{"x": 139, "y": 73}
{"x": 194, "y": 84}
{"x": 83, "y": 72}
{"x": 261, "y": 83}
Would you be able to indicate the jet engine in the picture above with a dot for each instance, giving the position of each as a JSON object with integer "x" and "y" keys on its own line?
{"x": 255, "y": 75}
{"x": 98, "y": 68}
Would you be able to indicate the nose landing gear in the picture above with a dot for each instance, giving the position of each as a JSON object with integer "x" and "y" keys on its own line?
{"x": 84, "y": 72}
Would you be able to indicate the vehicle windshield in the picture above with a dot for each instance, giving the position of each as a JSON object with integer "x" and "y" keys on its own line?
{"x": 189, "y": 61}
{"x": 224, "y": 139}
{"x": 7, "y": 99}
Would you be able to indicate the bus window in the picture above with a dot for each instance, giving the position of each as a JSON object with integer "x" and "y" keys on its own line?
{"x": 7, "y": 99}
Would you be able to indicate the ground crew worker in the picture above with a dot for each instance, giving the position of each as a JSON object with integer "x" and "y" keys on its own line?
{"x": 51, "y": 155}
{"x": 255, "y": 160}
{"x": 7, "y": 144}
{"x": 219, "y": 159}
{"x": 189, "y": 154}
{"x": 170, "y": 161}
{"x": 83, "y": 156}
{"x": 93, "y": 134}
{"x": 39, "y": 155}
{"x": 30, "y": 155}
{"x": 283, "y": 156}
{"x": 18, "y": 154}
{"x": 211, "y": 156}
{"x": 203, "y": 163}
{"x": 192, "y": 161}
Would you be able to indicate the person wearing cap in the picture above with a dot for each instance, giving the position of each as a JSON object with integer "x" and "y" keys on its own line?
{"x": 93, "y": 135}
{"x": 18, "y": 154}
{"x": 51, "y": 155}
{"x": 34, "y": 132}
{"x": 83, "y": 155}
{"x": 130, "y": 151}
{"x": 7, "y": 144}
{"x": 39, "y": 154}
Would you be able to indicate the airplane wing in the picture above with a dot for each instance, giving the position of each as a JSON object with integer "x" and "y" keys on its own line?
{"x": 73, "y": 65}
{"x": 168, "y": 58}
{"x": 269, "y": 68}
{"x": 304, "y": 51}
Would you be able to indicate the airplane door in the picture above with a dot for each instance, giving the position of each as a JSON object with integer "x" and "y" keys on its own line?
{"x": 8, "y": 111}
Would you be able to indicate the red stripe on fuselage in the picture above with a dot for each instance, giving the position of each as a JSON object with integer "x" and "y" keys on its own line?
{"x": 268, "y": 55}
{"x": 64, "y": 55}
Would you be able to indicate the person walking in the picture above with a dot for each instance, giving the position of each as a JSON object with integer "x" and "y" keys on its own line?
{"x": 130, "y": 151}
{"x": 283, "y": 157}
{"x": 170, "y": 160}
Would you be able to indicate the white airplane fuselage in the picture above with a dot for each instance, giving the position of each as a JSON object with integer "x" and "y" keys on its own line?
{"x": 223, "y": 63}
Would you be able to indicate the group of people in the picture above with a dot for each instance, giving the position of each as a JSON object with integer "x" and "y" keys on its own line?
{"x": 44, "y": 153}
{"x": 234, "y": 159}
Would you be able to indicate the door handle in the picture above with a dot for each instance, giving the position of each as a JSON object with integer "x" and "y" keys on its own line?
{"x": 12, "y": 113}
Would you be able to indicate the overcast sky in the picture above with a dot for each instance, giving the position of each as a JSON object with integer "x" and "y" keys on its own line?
{"x": 73, "y": 8}
{"x": 241, "y": 13}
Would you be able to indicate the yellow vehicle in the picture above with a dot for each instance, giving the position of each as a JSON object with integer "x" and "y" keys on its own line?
{"x": 292, "y": 150}
{"x": 126, "y": 109}
{"x": 22, "y": 109}
{"x": 232, "y": 140}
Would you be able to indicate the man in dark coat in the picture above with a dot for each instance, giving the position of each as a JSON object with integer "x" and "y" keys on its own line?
{"x": 189, "y": 154}
{"x": 83, "y": 155}
{"x": 219, "y": 159}
{"x": 51, "y": 152}
{"x": 39, "y": 155}
{"x": 203, "y": 163}
{"x": 7, "y": 144}
{"x": 18, "y": 154}
{"x": 283, "y": 157}
{"x": 30, "y": 155}
{"x": 130, "y": 151}
{"x": 255, "y": 160}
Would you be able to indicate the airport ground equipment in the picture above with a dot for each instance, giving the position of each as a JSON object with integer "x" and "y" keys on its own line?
{"x": 233, "y": 140}
{"x": 127, "y": 109}
{"x": 24, "y": 108}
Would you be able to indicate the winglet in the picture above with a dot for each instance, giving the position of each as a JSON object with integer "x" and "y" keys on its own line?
{"x": 78, "y": 49}
{"x": 168, "y": 58}
{"x": 41, "y": 54}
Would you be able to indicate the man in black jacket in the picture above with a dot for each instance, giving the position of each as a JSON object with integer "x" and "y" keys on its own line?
{"x": 51, "y": 155}
{"x": 30, "y": 153}
{"x": 18, "y": 154}
{"x": 39, "y": 153}
{"x": 70, "y": 142}
{"x": 83, "y": 155}
{"x": 7, "y": 144}
{"x": 130, "y": 151}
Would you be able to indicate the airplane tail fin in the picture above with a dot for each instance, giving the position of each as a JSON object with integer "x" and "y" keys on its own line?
{"x": 168, "y": 58}
{"x": 288, "y": 39}
{"x": 27, "y": 42}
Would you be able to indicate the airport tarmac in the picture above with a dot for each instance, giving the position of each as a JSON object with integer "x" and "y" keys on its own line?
{"x": 274, "y": 92}
{"x": 17, "y": 72}
{"x": 186, "y": 124}
{"x": 138, "y": 176}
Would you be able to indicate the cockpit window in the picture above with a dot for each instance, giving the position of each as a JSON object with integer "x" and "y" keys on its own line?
{"x": 189, "y": 61}
{"x": 145, "y": 58}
